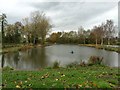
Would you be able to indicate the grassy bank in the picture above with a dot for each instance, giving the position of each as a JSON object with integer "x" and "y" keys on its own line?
{"x": 95, "y": 76}
{"x": 17, "y": 47}
{"x": 116, "y": 49}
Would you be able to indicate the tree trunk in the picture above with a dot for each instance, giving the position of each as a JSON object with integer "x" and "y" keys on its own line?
{"x": 84, "y": 40}
{"x": 2, "y": 30}
{"x": 34, "y": 41}
{"x": 43, "y": 41}
{"x": 96, "y": 41}
{"x": 101, "y": 41}
{"x": 3, "y": 61}
{"x": 108, "y": 41}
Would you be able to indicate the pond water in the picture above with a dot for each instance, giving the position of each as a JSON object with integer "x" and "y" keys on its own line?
{"x": 36, "y": 58}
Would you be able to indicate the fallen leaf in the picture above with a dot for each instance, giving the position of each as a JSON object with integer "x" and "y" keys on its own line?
{"x": 43, "y": 83}
{"x": 28, "y": 79}
{"x": 20, "y": 83}
{"x": 42, "y": 77}
{"x": 25, "y": 81}
{"x": 15, "y": 82}
{"x": 80, "y": 85}
{"x": 29, "y": 84}
{"x": 56, "y": 79}
{"x": 59, "y": 72}
{"x": 63, "y": 75}
{"x": 17, "y": 86}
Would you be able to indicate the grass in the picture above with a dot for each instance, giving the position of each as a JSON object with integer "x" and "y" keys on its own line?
{"x": 14, "y": 48}
{"x": 95, "y": 60}
{"x": 95, "y": 76}
{"x": 19, "y": 47}
{"x": 56, "y": 64}
{"x": 116, "y": 49}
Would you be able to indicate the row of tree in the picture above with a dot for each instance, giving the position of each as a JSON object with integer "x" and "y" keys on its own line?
{"x": 33, "y": 29}
{"x": 100, "y": 34}
{"x": 36, "y": 27}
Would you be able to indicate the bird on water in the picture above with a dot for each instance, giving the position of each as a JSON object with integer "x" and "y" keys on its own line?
{"x": 72, "y": 52}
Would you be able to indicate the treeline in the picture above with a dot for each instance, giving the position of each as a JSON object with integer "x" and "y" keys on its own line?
{"x": 101, "y": 34}
{"x": 33, "y": 29}
{"x": 36, "y": 27}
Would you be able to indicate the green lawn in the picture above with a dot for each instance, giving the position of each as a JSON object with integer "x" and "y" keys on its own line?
{"x": 116, "y": 49}
{"x": 76, "y": 77}
{"x": 15, "y": 48}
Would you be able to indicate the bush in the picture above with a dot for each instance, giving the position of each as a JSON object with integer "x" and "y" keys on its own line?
{"x": 83, "y": 63}
{"x": 118, "y": 43}
{"x": 7, "y": 68}
{"x": 95, "y": 60}
{"x": 56, "y": 64}
{"x": 73, "y": 64}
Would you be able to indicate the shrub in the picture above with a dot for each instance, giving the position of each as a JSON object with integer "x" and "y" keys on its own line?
{"x": 95, "y": 60}
{"x": 118, "y": 43}
{"x": 83, "y": 63}
{"x": 73, "y": 64}
{"x": 56, "y": 64}
{"x": 7, "y": 68}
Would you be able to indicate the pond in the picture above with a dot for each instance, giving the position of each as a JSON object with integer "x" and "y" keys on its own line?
{"x": 40, "y": 57}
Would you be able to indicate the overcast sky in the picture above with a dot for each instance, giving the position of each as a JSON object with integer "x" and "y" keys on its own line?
{"x": 65, "y": 16}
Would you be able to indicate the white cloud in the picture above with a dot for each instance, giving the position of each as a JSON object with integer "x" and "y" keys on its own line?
{"x": 111, "y": 14}
{"x": 66, "y": 15}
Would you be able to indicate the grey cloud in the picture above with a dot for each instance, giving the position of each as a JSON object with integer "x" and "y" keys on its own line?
{"x": 44, "y": 5}
{"x": 76, "y": 14}
{"x": 70, "y": 15}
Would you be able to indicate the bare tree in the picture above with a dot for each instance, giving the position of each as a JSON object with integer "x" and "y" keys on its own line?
{"x": 45, "y": 27}
{"x": 102, "y": 32}
{"x": 110, "y": 29}
{"x": 81, "y": 33}
{"x": 27, "y": 29}
{"x": 96, "y": 34}
{"x": 40, "y": 25}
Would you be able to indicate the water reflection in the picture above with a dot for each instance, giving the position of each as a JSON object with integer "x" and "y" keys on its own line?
{"x": 41, "y": 57}
{"x": 30, "y": 59}
{"x": 3, "y": 61}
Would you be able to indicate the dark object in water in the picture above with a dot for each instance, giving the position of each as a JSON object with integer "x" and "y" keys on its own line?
{"x": 72, "y": 52}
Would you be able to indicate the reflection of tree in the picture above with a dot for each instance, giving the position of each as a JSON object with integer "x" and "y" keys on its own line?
{"x": 16, "y": 58}
{"x": 38, "y": 57}
{"x": 31, "y": 59}
{"x": 12, "y": 59}
{"x": 3, "y": 61}
{"x": 42, "y": 57}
